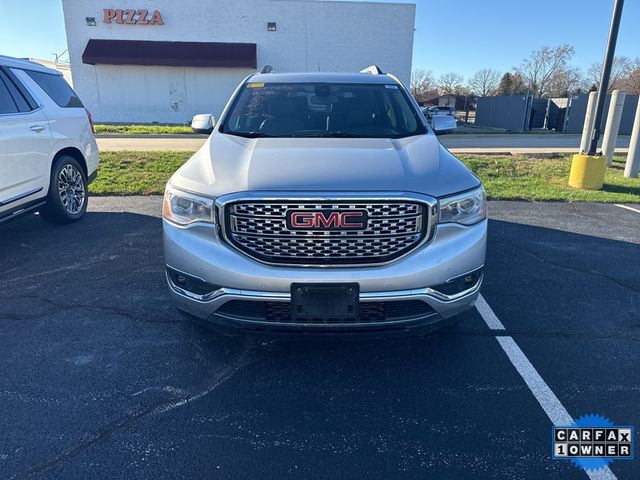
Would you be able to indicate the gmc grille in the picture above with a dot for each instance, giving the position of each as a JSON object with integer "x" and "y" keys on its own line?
{"x": 259, "y": 229}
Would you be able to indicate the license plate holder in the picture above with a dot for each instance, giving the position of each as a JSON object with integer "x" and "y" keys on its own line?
{"x": 324, "y": 302}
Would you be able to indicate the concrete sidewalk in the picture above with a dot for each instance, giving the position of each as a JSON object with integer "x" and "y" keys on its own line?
{"x": 467, "y": 143}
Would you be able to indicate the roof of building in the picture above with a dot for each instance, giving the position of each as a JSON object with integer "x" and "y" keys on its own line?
{"x": 25, "y": 64}
{"x": 51, "y": 63}
{"x": 321, "y": 77}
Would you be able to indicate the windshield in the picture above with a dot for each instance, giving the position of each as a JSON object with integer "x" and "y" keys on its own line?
{"x": 322, "y": 110}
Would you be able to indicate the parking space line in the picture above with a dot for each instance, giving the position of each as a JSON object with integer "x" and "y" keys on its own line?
{"x": 548, "y": 400}
{"x": 487, "y": 314}
{"x": 627, "y": 207}
{"x": 545, "y": 396}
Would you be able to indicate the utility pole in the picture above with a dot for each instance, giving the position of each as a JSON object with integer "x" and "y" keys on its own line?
{"x": 58, "y": 57}
{"x": 606, "y": 73}
{"x": 588, "y": 171}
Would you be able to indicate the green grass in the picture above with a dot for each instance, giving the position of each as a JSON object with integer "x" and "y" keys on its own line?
{"x": 142, "y": 129}
{"x": 504, "y": 177}
{"x": 136, "y": 173}
{"x": 545, "y": 179}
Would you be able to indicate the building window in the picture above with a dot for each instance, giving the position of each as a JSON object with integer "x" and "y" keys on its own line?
{"x": 271, "y": 27}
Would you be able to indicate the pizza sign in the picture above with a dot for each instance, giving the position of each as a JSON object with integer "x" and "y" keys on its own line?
{"x": 132, "y": 17}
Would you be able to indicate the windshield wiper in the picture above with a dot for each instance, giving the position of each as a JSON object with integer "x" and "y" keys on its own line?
{"x": 325, "y": 134}
{"x": 251, "y": 134}
{"x": 302, "y": 134}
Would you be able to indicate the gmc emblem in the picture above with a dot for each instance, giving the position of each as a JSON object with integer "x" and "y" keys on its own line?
{"x": 327, "y": 219}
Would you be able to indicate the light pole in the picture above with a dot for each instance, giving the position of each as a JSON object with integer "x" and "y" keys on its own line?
{"x": 606, "y": 73}
{"x": 588, "y": 170}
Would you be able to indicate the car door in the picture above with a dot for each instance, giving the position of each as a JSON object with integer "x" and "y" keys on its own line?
{"x": 25, "y": 145}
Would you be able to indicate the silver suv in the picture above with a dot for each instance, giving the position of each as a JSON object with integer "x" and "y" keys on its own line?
{"x": 323, "y": 202}
{"x": 48, "y": 154}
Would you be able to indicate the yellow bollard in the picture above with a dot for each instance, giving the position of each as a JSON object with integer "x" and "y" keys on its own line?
{"x": 587, "y": 171}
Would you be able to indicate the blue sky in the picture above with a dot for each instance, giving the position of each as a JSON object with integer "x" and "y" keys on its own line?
{"x": 451, "y": 35}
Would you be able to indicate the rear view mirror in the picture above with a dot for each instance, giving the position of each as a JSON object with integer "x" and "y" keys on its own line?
{"x": 443, "y": 123}
{"x": 203, "y": 123}
{"x": 323, "y": 100}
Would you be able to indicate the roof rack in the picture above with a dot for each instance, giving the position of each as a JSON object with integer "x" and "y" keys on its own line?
{"x": 373, "y": 70}
{"x": 267, "y": 69}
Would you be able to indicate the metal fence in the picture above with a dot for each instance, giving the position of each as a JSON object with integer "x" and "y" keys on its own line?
{"x": 520, "y": 113}
{"x": 508, "y": 112}
{"x": 577, "y": 109}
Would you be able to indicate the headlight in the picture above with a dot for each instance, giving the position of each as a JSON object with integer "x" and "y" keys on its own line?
{"x": 465, "y": 208}
{"x": 185, "y": 208}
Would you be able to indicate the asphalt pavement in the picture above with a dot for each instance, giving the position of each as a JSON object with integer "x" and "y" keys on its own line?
{"x": 100, "y": 377}
{"x": 466, "y": 143}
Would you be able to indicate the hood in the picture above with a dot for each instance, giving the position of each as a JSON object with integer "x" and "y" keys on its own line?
{"x": 228, "y": 164}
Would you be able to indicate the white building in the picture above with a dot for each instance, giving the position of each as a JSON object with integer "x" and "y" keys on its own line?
{"x": 134, "y": 60}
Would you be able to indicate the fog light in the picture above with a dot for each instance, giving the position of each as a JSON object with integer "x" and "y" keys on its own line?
{"x": 459, "y": 284}
{"x": 469, "y": 280}
{"x": 190, "y": 283}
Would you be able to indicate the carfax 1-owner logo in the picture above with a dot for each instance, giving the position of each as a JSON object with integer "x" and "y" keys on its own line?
{"x": 592, "y": 442}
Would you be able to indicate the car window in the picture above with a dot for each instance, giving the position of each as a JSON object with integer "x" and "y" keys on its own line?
{"x": 322, "y": 110}
{"x": 7, "y": 104}
{"x": 21, "y": 102}
{"x": 57, "y": 88}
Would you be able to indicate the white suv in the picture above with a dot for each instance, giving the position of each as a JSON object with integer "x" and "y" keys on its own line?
{"x": 48, "y": 154}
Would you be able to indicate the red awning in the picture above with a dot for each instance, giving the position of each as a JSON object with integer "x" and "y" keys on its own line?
{"x": 173, "y": 54}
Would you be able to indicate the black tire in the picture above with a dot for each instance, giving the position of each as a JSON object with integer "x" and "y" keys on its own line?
{"x": 68, "y": 196}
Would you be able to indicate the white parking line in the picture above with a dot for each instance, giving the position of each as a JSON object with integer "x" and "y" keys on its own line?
{"x": 543, "y": 394}
{"x": 489, "y": 317}
{"x": 546, "y": 398}
{"x": 628, "y": 208}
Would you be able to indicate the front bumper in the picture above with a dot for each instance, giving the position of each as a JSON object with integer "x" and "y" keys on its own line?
{"x": 198, "y": 251}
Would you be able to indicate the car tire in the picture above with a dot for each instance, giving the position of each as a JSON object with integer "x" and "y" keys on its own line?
{"x": 68, "y": 196}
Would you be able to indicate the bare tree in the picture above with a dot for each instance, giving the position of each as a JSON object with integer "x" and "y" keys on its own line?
{"x": 566, "y": 81}
{"x": 450, "y": 84}
{"x": 423, "y": 85}
{"x": 538, "y": 70}
{"x": 484, "y": 82}
{"x": 631, "y": 84}
{"x": 620, "y": 70}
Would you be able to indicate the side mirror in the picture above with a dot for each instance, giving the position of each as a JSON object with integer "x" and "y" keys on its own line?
{"x": 443, "y": 123}
{"x": 203, "y": 123}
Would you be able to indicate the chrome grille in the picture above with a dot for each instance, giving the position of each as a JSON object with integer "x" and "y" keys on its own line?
{"x": 279, "y": 209}
{"x": 259, "y": 228}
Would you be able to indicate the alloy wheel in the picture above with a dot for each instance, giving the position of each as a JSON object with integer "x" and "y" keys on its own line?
{"x": 71, "y": 189}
